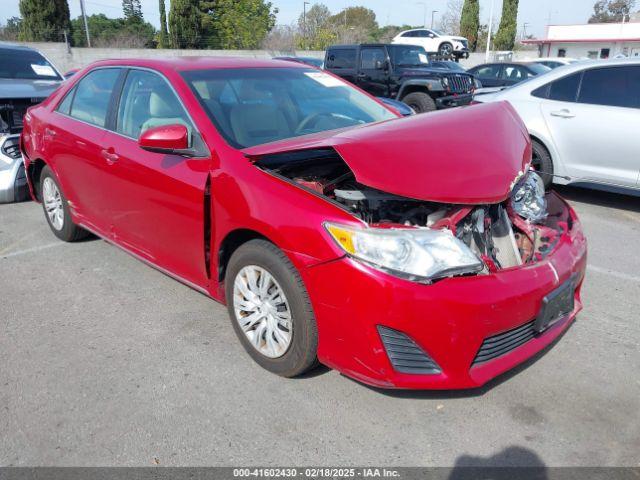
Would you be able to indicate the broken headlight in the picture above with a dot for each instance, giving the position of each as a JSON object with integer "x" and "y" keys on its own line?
{"x": 528, "y": 199}
{"x": 416, "y": 254}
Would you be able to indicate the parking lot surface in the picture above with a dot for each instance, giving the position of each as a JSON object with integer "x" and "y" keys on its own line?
{"x": 106, "y": 361}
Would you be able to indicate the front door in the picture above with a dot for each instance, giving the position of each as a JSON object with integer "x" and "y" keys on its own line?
{"x": 373, "y": 71}
{"x": 158, "y": 200}
{"x": 597, "y": 136}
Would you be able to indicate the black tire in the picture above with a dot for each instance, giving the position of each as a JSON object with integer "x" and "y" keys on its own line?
{"x": 70, "y": 232}
{"x": 420, "y": 102}
{"x": 542, "y": 162}
{"x": 301, "y": 355}
{"x": 445, "y": 49}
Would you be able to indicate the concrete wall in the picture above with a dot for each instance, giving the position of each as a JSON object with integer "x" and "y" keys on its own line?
{"x": 66, "y": 59}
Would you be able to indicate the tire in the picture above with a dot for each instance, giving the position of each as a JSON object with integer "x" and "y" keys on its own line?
{"x": 420, "y": 102}
{"x": 61, "y": 225}
{"x": 445, "y": 49}
{"x": 542, "y": 162}
{"x": 300, "y": 354}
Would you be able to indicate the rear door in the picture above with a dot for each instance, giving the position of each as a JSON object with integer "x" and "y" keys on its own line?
{"x": 373, "y": 71}
{"x": 73, "y": 140}
{"x": 158, "y": 200}
{"x": 597, "y": 134}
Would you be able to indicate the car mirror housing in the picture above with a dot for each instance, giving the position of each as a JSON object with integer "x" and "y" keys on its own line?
{"x": 169, "y": 139}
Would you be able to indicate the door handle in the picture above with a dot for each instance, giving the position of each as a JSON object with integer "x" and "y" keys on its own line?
{"x": 48, "y": 132}
{"x": 564, "y": 113}
{"x": 110, "y": 155}
{"x": 361, "y": 75}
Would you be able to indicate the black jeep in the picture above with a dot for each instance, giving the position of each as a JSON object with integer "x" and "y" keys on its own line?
{"x": 402, "y": 72}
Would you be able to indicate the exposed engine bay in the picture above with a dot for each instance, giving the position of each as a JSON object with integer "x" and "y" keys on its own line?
{"x": 521, "y": 230}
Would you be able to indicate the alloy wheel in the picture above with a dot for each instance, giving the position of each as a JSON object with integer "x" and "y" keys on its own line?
{"x": 53, "y": 203}
{"x": 262, "y": 311}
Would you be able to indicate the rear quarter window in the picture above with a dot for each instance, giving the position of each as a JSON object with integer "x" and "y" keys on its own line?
{"x": 341, "y": 58}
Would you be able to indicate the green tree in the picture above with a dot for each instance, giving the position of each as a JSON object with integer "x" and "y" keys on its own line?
{"x": 470, "y": 22}
{"x": 185, "y": 29}
{"x": 315, "y": 25}
{"x": 506, "y": 35}
{"x": 163, "y": 40}
{"x": 241, "y": 24}
{"x": 132, "y": 11}
{"x": 44, "y": 20}
{"x": 11, "y": 30}
{"x": 611, "y": 11}
{"x": 355, "y": 25}
{"x": 112, "y": 32}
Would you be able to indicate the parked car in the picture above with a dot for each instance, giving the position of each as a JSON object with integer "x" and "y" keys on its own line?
{"x": 401, "y": 72}
{"x": 26, "y": 78}
{"x": 311, "y": 61}
{"x": 584, "y": 121}
{"x": 434, "y": 41}
{"x": 402, "y": 108}
{"x": 448, "y": 65}
{"x": 555, "y": 62}
{"x": 506, "y": 74}
{"x": 333, "y": 230}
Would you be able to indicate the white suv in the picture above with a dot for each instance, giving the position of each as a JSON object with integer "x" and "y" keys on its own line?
{"x": 434, "y": 41}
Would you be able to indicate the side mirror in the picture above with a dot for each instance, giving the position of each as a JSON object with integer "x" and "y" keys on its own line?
{"x": 381, "y": 64}
{"x": 171, "y": 139}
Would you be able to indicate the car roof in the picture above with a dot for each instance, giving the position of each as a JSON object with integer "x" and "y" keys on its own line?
{"x": 185, "y": 63}
{"x": 15, "y": 46}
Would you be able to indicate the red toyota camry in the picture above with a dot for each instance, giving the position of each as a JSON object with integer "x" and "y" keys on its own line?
{"x": 417, "y": 252}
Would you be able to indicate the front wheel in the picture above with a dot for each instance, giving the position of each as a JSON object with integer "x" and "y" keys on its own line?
{"x": 270, "y": 309}
{"x": 56, "y": 209}
{"x": 445, "y": 49}
{"x": 420, "y": 102}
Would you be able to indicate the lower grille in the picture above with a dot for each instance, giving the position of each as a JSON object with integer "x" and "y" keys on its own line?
{"x": 405, "y": 355}
{"x": 497, "y": 345}
{"x": 11, "y": 148}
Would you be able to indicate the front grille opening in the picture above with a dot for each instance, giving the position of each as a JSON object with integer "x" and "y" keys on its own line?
{"x": 493, "y": 347}
{"x": 405, "y": 355}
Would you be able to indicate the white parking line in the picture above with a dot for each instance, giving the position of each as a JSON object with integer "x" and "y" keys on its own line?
{"x": 614, "y": 273}
{"x": 31, "y": 250}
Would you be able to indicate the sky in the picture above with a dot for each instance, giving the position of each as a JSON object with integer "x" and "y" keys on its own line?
{"x": 535, "y": 13}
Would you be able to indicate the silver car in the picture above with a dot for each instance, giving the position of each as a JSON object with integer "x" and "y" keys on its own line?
{"x": 584, "y": 120}
{"x": 26, "y": 79}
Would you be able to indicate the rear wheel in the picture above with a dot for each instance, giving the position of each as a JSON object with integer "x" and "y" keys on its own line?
{"x": 56, "y": 209}
{"x": 420, "y": 102}
{"x": 542, "y": 163}
{"x": 270, "y": 309}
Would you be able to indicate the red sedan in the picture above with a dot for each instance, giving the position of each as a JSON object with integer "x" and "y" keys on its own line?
{"x": 416, "y": 252}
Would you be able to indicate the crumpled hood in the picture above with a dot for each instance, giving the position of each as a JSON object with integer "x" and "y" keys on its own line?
{"x": 469, "y": 155}
{"x": 11, "y": 88}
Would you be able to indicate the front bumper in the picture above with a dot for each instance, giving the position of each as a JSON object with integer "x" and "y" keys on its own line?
{"x": 456, "y": 100}
{"x": 13, "y": 181}
{"x": 449, "y": 320}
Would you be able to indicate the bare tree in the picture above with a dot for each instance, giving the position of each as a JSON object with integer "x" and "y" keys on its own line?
{"x": 450, "y": 19}
{"x": 282, "y": 38}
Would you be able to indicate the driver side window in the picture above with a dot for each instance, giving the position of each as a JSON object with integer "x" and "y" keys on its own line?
{"x": 147, "y": 101}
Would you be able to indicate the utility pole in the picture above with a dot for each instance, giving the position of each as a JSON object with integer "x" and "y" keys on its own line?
{"x": 424, "y": 15}
{"x": 486, "y": 56}
{"x": 86, "y": 25}
{"x": 524, "y": 30}
{"x": 304, "y": 25}
{"x": 433, "y": 12}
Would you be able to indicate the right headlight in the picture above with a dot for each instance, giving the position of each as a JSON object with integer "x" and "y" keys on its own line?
{"x": 420, "y": 254}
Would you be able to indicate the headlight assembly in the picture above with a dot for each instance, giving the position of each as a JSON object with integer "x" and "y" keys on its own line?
{"x": 415, "y": 254}
{"x": 528, "y": 198}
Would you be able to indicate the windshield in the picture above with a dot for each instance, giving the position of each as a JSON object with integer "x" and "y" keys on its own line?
{"x": 251, "y": 106}
{"x": 25, "y": 64}
{"x": 538, "y": 69}
{"x": 408, "y": 56}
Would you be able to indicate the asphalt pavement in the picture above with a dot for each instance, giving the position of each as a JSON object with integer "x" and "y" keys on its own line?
{"x": 105, "y": 361}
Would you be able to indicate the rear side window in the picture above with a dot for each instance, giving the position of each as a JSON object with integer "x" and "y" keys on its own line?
{"x": 342, "y": 58}
{"x": 614, "y": 86}
{"x": 93, "y": 96}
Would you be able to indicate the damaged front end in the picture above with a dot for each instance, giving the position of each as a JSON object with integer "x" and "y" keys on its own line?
{"x": 425, "y": 241}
